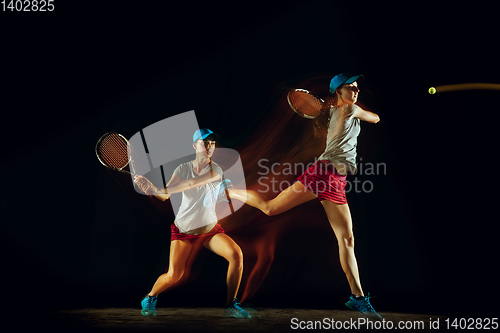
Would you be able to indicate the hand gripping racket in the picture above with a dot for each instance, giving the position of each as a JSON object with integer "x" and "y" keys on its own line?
{"x": 113, "y": 151}
{"x": 305, "y": 103}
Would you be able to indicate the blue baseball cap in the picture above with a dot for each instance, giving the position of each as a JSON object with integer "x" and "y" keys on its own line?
{"x": 202, "y": 134}
{"x": 341, "y": 79}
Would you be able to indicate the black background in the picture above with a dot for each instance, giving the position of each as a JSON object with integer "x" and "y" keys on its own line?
{"x": 72, "y": 236}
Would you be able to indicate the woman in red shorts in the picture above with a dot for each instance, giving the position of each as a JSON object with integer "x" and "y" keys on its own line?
{"x": 326, "y": 180}
{"x": 196, "y": 222}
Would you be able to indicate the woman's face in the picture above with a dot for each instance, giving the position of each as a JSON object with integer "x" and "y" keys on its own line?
{"x": 205, "y": 146}
{"x": 348, "y": 93}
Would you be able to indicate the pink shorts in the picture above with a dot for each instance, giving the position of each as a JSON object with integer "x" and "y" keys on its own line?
{"x": 322, "y": 179}
{"x": 176, "y": 234}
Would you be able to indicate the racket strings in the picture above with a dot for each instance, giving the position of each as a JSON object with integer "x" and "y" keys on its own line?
{"x": 306, "y": 103}
{"x": 113, "y": 151}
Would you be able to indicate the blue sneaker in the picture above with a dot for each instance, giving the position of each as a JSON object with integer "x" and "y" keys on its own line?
{"x": 149, "y": 305}
{"x": 236, "y": 311}
{"x": 363, "y": 305}
{"x": 217, "y": 194}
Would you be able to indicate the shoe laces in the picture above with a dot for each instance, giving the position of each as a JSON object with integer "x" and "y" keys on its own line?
{"x": 237, "y": 305}
{"x": 151, "y": 300}
{"x": 365, "y": 303}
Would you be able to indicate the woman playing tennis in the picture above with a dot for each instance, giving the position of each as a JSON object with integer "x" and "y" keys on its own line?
{"x": 196, "y": 222}
{"x": 326, "y": 180}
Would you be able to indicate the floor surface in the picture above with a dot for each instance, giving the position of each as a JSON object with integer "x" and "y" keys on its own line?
{"x": 212, "y": 320}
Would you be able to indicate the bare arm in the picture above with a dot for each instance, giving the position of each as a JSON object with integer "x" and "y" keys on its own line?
{"x": 188, "y": 184}
{"x": 366, "y": 115}
{"x": 175, "y": 185}
{"x": 165, "y": 196}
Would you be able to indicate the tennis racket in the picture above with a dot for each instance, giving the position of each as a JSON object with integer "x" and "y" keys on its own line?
{"x": 113, "y": 151}
{"x": 305, "y": 103}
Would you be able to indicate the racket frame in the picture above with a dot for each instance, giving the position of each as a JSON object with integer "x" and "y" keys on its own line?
{"x": 129, "y": 159}
{"x": 307, "y": 92}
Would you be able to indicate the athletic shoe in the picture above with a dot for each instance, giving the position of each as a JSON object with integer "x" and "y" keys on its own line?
{"x": 217, "y": 194}
{"x": 149, "y": 305}
{"x": 236, "y": 311}
{"x": 363, "y": 305}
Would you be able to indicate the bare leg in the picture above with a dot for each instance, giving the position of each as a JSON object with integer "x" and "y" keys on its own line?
{"x": 341, "y": 222}
{"x": 226, "y": 247}
{"x": 293, "y": 196}
{"x": 179, "y": 253}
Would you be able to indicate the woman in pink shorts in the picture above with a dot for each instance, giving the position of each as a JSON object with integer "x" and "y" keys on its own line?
{"x": 326, "y": 180}
{"x": 194, "y": 222}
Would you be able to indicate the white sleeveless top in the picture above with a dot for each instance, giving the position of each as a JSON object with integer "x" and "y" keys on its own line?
{"x": 342, "y": 139}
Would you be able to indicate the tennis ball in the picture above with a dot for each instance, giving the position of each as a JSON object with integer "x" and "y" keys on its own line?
{"x": 432, "y": 90}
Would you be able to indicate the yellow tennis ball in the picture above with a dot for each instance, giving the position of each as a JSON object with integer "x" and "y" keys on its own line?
{"x": 432, "y": 90}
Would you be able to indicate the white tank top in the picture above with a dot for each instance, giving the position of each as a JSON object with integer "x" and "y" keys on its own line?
{"x": 342, "y": 139}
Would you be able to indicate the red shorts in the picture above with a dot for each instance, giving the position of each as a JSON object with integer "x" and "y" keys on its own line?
{"x": 322, "y": 179}
{"x": 176, "y": 234}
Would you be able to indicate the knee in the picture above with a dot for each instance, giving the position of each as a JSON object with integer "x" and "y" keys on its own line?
{"x": 236, "y": 257}
{"x": 269, "y": 210}
{"x": 347, "y": 240}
